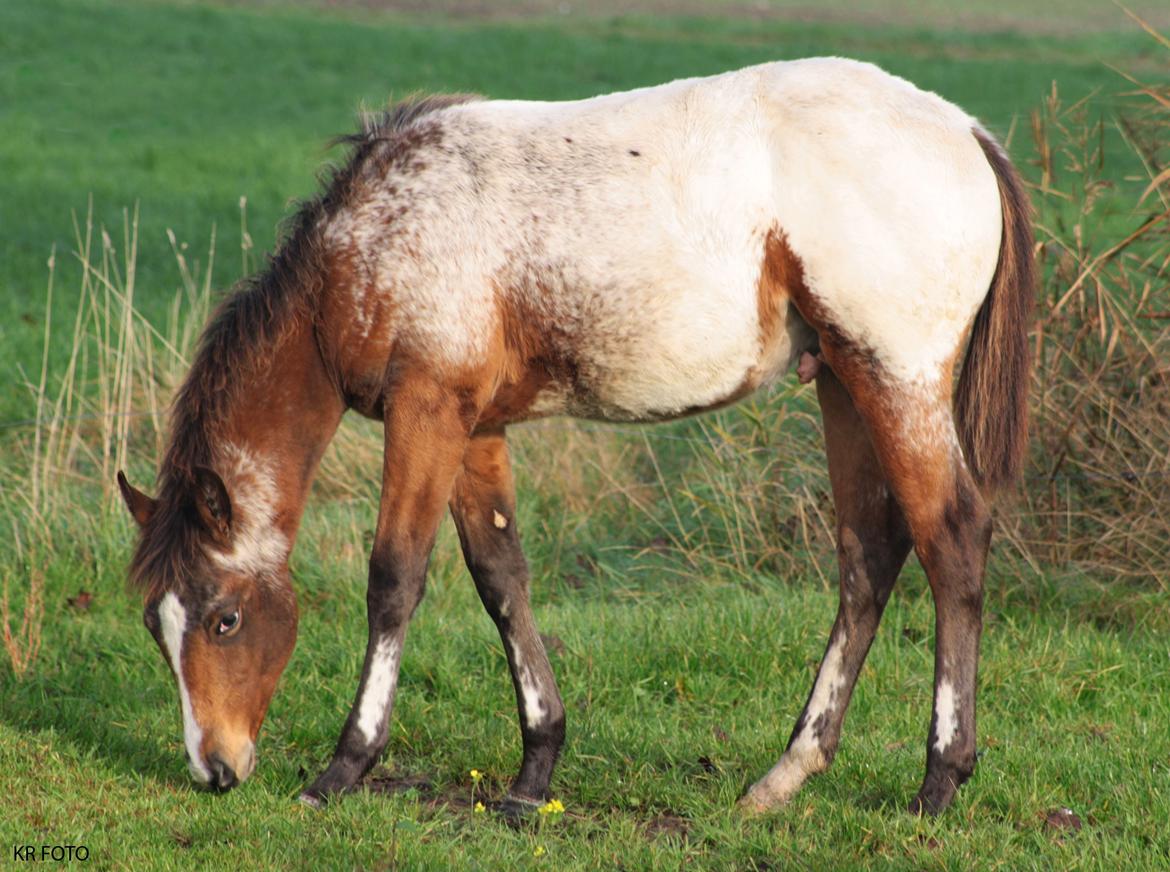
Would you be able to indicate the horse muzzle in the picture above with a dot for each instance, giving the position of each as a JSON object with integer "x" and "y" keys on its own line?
{"x": 222, "y": 771}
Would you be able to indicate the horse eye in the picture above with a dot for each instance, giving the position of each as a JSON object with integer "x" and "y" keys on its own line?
{"x": 228, "y": 623}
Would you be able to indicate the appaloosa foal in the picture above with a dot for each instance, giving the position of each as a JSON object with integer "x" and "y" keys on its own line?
{"x": 633, "y": 257}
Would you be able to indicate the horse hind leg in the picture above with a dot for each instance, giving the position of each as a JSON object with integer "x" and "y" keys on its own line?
{"x": 913, "y": 433}
{"x": 483, "y": 506}
{"x": 426, "y": 432}
{"x": 872, "y": 544}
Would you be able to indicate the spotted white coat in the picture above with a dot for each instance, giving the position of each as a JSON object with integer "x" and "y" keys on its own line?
{"x": 636, "y": 223}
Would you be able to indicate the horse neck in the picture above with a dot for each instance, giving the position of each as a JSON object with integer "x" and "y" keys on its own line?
{"x": 276, "y": 431}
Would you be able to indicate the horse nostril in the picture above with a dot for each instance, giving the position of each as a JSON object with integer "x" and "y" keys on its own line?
{"x": 223, "y": 777}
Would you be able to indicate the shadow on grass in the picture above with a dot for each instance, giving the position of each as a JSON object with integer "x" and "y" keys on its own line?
{"x": 124, "y": 716}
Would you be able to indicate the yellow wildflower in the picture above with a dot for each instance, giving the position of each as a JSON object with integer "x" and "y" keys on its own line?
{"x": 538, "y": 851}
{"x": 479, "y": 809}
{"x": 476, "y": 776}
{"x": 553, "y": 806}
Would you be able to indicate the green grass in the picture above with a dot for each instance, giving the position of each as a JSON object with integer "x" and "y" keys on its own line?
{"x": 686, "y": 654}
{"x": 676, "y": 698}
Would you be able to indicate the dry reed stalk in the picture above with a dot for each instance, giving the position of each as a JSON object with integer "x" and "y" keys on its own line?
{"x": 1097, "y": 490}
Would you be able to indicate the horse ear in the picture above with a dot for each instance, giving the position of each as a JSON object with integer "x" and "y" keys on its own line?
{"x": 213, "y": 504}
{"x": 140, "y": 505}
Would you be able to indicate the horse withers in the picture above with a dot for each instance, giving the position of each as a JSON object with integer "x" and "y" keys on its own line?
{"x": 637, "y": 256}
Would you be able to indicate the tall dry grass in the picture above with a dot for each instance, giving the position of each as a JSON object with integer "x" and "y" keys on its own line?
{"x": 1097, "y": 488}
{"x": 93, "y": 416}
{"x": 734, "y": 494}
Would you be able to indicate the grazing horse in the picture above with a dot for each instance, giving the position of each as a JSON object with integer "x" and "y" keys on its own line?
{"x": 638, "y": 256}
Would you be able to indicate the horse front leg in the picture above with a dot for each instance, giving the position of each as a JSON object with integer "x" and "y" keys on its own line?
{"x": 484, "y": 508}
{"x": 425, "y": 437}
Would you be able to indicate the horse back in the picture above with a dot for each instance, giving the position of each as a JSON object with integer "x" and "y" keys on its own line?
{"x": 617, "y": 257}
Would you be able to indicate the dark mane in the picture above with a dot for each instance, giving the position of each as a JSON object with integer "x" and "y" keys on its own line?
{"x": 399, "y": 116}
{"x": 248, "y": 327}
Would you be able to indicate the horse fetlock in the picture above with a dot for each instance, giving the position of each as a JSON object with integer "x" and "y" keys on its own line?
{"x": 785, "y": 778}
{"x": 945, "y": 773}
{"x": 542, "y": 747}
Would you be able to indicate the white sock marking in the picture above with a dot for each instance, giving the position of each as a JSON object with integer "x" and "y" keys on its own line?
{"x": 948, "y": 719}
{"x": 380, "y": 686}
{"x": 829, "y": 681}
{"x": 173, "y": 618}
{"x": 804, "y": 756}
{"x": 535, "y": 711}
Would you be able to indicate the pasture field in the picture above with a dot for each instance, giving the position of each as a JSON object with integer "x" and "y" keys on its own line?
{"x": 683, "y": 575}
{"x": 185, "y": 108}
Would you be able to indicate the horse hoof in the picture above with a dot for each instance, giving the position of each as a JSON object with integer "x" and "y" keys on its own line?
{"x": 750, "y": 807}
{"x": 515, "y": 810}
{"x": 924, "y": 806}
{"x": 311, "y": 800}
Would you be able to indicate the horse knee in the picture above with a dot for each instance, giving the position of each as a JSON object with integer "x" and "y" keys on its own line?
{"x": 396, "y": 586}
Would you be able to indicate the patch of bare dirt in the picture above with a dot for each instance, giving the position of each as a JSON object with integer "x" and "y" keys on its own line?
{"x": 667, "y": 826}
{"x": 381, "y": 781}
{"x": 1062, "y": 821}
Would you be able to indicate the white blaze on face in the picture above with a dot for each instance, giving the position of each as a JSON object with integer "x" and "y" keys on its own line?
{"x": 173, "y": 618}
{"x": 379, "y": 687}
{"x": 948, "y": 719}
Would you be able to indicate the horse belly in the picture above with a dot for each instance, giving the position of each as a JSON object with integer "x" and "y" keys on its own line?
{"x": 692, "y": 351}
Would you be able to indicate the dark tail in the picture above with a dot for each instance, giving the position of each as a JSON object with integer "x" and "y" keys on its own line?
{"x": 991, "y": 404}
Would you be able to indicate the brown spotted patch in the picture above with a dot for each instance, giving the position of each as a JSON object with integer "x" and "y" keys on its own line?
{"x": 528, "y": 355}
{"x": 781, "y": 280}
